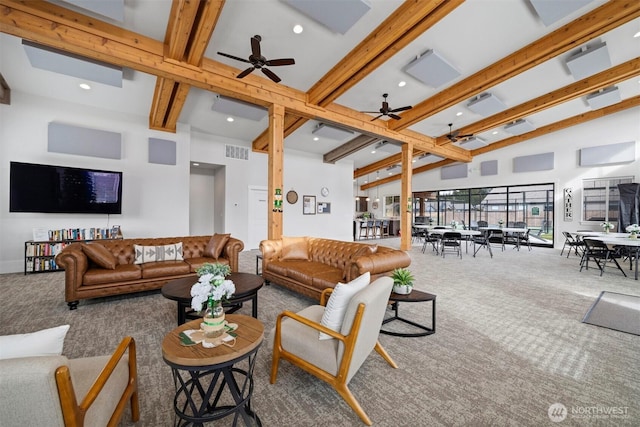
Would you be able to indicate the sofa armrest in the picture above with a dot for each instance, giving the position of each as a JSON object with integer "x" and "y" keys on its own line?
{"x": 232, "y": 251}
{"x": 271, "y": 251}
{"x": 75, "y": 263}
{"x": 378, "y": 263}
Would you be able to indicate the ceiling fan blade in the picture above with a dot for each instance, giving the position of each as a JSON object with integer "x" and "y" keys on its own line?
{"x": 377, "y": 117}
{"x": 397, "y": 110}
{"x": 376, "y": 112}
{"x": 394, "y": 116}
{"x": 271, "y": 75}
{"x": 278, "y": 62}
{"x": 233, "y": 57}
{"x": 255, "y": 46}
{"x": 245, "y": 72}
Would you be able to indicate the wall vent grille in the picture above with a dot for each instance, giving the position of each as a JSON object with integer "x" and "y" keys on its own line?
{"x": 236, "y": 152}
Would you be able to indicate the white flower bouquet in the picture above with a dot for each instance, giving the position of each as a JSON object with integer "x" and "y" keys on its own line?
{"x": 211, "y": 283}
{"x": 454, "y": 224}
{"x": 607, "y": 225}
{"x": 633, "y": 229}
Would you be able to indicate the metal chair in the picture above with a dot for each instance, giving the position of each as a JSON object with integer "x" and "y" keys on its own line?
{"x": 483, "y": 241}
{"x": 573, "y": 243}
{"x": 432, "y": 238}
{"x": 451, "y": 241}
{"x": 497, "y": 236}
{"x": 600, "y": 253}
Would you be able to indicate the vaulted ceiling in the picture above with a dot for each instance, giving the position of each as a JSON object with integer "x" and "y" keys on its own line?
{"x": 174, "y": 74}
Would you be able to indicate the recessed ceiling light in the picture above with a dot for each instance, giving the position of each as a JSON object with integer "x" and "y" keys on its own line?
{"x": 315, "y": 138}
{"x": 365, "y": 181}
{"x": 413, "y": 161}
{"x": 402, "y": 83}
{"x": 637, "y": 34}
{"x": 373, "y": 151}
{"x": 84, "y": 86}
{"x": 459, "y": 113}
{"x": 196, "y": 164}
{"x": 391, "y": 172}
{"x": 230, "y": 119}
{"x": 495, "y": 132}
{"x": 297, "y": 28}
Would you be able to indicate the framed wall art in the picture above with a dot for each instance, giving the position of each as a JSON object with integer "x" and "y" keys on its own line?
{"x": 308, "y": 205}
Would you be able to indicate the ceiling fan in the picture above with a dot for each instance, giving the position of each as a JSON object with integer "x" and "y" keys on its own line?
{"x": 258, "y": 61}
{"x": 386, "y": 111}
{"x": 455, "y": 135}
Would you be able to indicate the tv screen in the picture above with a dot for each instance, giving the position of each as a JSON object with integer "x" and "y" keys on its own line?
{"x": 60, "y": 189}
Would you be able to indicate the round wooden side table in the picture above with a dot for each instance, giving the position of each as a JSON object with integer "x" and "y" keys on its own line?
{"x": 201, "y": 375}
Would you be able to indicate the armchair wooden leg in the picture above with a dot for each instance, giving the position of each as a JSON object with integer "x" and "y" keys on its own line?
{"x": 274, "y": 365}
{"x": 382, "y": 352}
{"x": 344, "y": 391}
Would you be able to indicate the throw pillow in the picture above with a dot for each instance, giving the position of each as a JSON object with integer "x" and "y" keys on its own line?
{"x": 361, "y": 251}
{"x": 157, "y": 253}
{"x": 338, "y": 302}
{"x": 216, "y": 245}
{"x": 100, "y": 255}
{"x": 47, "y": 342}
{"x": 295, "y": 248}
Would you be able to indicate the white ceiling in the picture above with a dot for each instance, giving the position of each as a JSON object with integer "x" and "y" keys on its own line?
{"x": 472, "y": 37}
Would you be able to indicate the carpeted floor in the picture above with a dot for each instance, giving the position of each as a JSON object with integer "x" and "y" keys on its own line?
{"x": 509, "y": 344}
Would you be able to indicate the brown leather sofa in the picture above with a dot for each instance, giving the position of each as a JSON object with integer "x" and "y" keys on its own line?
{"x": 85, "y": 278}
{"x": 308, "y": 265}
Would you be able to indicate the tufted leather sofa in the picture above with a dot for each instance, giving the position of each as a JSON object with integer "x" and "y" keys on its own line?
{"x": 316, "y": 263}
{"x": 85, "y": 279}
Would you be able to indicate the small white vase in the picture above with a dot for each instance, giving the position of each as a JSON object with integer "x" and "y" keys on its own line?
{"x": 402, "y": 289}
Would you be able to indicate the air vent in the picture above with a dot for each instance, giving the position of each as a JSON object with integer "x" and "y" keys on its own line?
{"x": 236, "y": 152}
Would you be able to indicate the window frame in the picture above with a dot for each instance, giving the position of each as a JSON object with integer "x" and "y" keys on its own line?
{"x": 607, "y": 201}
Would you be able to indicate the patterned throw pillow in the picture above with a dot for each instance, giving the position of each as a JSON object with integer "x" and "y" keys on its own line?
{"x": 158, "y": 253}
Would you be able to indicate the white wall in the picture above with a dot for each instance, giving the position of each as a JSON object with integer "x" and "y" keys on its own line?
{"x": 154, "y": 196}
{"x": 201, "y": 202}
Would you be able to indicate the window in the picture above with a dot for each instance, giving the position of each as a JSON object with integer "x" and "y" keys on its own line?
{"x": 391, "y": 206}
{"x": 600, "y": 199}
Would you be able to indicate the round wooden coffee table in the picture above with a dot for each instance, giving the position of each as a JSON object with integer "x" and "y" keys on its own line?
{"x": 201, "y": 375}
{"x": 247, "y": 286}
{"x": 414, "y": 296}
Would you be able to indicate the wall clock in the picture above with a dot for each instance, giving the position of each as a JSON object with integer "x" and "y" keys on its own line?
{"x": 292, "y": 197}
{"x": 324, "y": 191}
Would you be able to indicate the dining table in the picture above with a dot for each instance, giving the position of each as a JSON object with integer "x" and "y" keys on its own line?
{"x": 520, "y": 232}
{"x": 440, "y": 231}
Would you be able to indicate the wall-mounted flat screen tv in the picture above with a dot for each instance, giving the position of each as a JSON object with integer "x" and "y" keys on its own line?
{"x": 60, "y": 189}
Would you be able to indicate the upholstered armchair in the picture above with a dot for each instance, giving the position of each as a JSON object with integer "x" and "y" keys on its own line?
{"x": 335, "y": 360}
{"x": 56, "y": 391}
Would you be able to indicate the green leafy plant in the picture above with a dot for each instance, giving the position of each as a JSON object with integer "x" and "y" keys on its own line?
{"x": 214, "y": 269}
{"x": 402, "y": 277}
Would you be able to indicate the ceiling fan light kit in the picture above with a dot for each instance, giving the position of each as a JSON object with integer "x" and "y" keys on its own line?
{"x": 486, "y": 104}
{"x": 432, "y": 69}
{"x": 589, "y": 60}
{"x": 259, "y": 62}
{"x": 519, "y": 127}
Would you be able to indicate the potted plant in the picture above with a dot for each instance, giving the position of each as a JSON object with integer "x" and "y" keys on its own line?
{"x": 607, "y": 226}
{"x": 634, "y": 229}
{"x": 402, "y": 281}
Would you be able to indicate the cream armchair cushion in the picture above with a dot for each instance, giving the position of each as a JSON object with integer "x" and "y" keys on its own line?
{"x": 57, "y": 391}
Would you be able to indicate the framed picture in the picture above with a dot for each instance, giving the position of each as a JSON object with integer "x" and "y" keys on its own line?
{"x": 308, "y": 205}
{"x": 324, "y": 208}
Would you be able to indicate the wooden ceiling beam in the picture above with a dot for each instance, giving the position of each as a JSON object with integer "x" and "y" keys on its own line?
{"x": 606, "y": 78}
{"x": 587, "y": 27}
{"x": 21, "y": 19}
{"x": 626, "y": 104}
{"x": 403, "y": 26}
{"x": 190, "y": 26}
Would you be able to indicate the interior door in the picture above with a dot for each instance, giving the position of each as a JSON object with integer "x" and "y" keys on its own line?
{"x": 257, "y": 217}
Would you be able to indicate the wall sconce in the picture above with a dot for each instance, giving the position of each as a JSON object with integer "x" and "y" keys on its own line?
{"x": 277, "y": 201}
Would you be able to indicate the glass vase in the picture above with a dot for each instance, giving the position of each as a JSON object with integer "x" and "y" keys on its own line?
{"x": 213, "y": 319}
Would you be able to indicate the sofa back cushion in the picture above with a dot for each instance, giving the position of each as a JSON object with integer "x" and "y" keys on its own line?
{"x": 295, "y": 248}
{"x": 216, "y": 245}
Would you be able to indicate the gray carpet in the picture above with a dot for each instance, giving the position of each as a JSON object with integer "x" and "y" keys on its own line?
{"x": 509, "y": 343}
{"x": 615, "y": 311}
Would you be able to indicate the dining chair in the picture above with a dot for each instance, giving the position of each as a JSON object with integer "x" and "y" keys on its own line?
{"x": 523, "y": 239}
{"x": 483, "y": 224}
{"x": 377, "y": 228}
{"x": 572, "y": 243}
{"x": 384, "y": 232}
{"x": 601, "y": 253}
{"x": 432, "y": 238}
{"x": 481, "y": 241}
{"x": 451, "y": 241}
{"x": 497, "y": 236}
{"x": 364, "y": 231}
